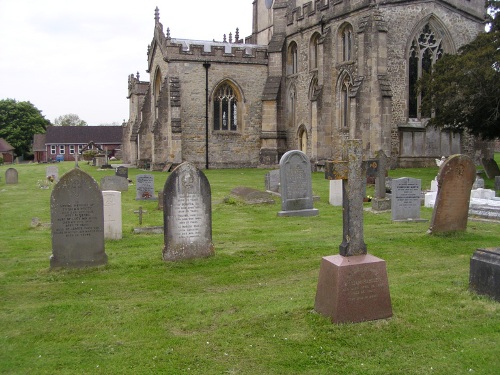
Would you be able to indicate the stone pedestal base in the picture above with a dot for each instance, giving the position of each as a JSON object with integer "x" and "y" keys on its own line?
{"x": 353, "y": 289}
{"x": 381, "y": 204}
{"x": 485, "y": 272}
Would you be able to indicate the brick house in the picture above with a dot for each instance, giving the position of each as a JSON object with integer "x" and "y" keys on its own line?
{"x": 63, "y": 142}
{"x": 6, "y": 151}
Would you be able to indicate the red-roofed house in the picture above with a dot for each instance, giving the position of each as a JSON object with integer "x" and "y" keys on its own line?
{"x": 6, "y": 151}
{"x": 65, "y": 141}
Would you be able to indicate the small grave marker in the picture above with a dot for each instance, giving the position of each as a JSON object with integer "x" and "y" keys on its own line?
{"x": 11, "y": 176}
{"x": 484, "y": 275}
{"x": 52, "y": 172}
{"x": 114, "y": 183}
{"x": 140, "y": 212}
{"x": 145, "y": 187}
{"x": 121, "y": 171}
{"x": 406, "y": 198}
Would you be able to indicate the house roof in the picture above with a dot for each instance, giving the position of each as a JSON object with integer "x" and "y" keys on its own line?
{"x": 39, "y": 142}
{"x": 5, "y": 146}
{"x": 83, "y": 134}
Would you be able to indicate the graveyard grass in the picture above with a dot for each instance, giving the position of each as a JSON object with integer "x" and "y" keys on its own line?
{"x": 247, "y": 310}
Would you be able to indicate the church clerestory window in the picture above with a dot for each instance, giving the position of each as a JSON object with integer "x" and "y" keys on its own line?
{"x": 225, "y": 108}
{"x": 426, "y": 49}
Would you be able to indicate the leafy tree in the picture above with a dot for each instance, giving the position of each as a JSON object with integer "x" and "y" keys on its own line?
{"x": 463, "y": 90}
{"x": 69, "y": 120}
{"x": 19, "y": 121}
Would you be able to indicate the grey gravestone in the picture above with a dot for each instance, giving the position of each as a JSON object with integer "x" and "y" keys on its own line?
{"x": 497, "y": 183}
{"x": 77, "y": 217}
{"x": 484, "y": 275}
{"x": 380, "y": 202}
{"x": 122, "y": 171}
{"x": 296, "y": 185}
{"x": 272, "y": 181}
{"x": 187, "y": 214}
{"x": 114, "y": 183}
{"x": 455, "y": 178}
{"x": 145, "y": 187}
{"x": 490, "y": 167}
{"x": 53, "y": 172}
{"x": 406, "y": 195}
{"x": 11, "y": 176}
{"x": 478, "y": 182}
{"x": 352, "y": 286}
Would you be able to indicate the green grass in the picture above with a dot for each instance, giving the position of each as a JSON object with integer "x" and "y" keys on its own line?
{"x": 247, "y": 310}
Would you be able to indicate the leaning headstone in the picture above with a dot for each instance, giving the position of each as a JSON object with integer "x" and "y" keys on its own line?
{"x": 114, "y": 183}
{"x": 455, "y": 178}
{"x": 145, "y": 187}
{"x": 52, "y": 172}
{"x": 353, "y": 285}
{"x": 272, "y": 181}
{"x": 484, "y": 275}
{"x": 490, "y": 167}
{"x": 296, "y": 185}
{"x": 76, "y": 210}
{"x": 406, "y": 195}
{"x": 381, "y": 202}
{"x": 11, "y": 176}
{"x": 112, "y": 201}
{"x": 187, "y": 214}
{"x": 122, "y": 171}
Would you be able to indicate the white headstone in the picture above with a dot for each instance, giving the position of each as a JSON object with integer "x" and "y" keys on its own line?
{"x": 112, "y": 201}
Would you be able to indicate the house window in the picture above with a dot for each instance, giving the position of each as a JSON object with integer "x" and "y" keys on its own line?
{"x": 426, "y": 49}
{"x": 53, "y": 150}
{"x": 346, "y": 43}
{"x": 72, "y": 149}
{"x": 292, "y": 59}
{"x": 225, "y": 108}
{"x": 61, "y": 149}
{"x": 80, "y": 148}
{"x": 313, "y": 51}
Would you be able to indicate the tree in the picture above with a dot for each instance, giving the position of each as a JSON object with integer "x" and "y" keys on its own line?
{"x": 19, "y": 121}
{"x": 463, "y": 90}
{"x": 69, "y": 120}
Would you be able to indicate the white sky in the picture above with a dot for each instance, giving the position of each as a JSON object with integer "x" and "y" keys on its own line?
{"x": 75, "y": 56}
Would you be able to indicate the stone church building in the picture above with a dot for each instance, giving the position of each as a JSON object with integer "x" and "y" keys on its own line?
{"x": 311, "y": 74}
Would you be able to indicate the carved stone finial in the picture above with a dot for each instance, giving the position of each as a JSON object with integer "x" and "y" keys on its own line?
{"x": 137, "y": 76}
{"x": 224, "y": 40}
{"x": 157, "y": 15}
{"x": 168, "y": 32}
{"x": 230, "y": 37}
{"x": 237, "y": 35}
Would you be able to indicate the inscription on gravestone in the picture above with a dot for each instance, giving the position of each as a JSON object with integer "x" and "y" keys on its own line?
{"x": 76, "y": 208}
{"x": 296, "y": 185}
{"x": 145, "y": 187}
{"x": 187, "y": 214}
{"x": 406, "y": 199}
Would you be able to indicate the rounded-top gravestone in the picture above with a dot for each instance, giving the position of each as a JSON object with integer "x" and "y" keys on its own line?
{"x": 11, "y": 176}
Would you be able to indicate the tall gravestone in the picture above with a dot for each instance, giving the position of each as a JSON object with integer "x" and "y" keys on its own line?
{"x": 187, "y": 214}
{"x": 455, "y": 178}
{"x": 296, "y": 185}
{"x": 122, "y": 171}
{"x": 52, "y": 172}
{"x": 112, "y": 201}
{"x": 11, "y": 176}
{"x": 76, "y": 210}
{"x": 406, "y": 198}
{"x": 114, "y": 183}
{"x": 353, "y": 285}
{"x": 145, "y": 187}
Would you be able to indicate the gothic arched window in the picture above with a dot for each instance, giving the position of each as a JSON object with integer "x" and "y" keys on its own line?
{"x": 313, "y": 51}
{"x": 225, "y": 108}
{"x": 156, "y": 92}
{"x": 345, "y": 101}
{"x": 346, "y": 36}
{"x": 292, "y": 59}
{"x": 426, "y": 48}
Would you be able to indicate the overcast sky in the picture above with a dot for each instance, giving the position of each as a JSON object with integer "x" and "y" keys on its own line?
{"x": 75, "y": 56}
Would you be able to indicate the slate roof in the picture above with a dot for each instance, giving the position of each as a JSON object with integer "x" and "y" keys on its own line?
{"x": 5, "y": 146}
{"x": 39, "y": 142}
{"x": 83, "y": 134}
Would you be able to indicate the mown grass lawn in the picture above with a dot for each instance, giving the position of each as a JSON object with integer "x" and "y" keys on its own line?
{"x": 248, "y": 309}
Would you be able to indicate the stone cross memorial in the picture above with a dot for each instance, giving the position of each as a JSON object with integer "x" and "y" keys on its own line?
{"x": 145, "y": 187}
{"x": 451, "y": 210}
{"x": 296, "y": 185}
{"x": 76, "y": 210}
{"x": 406, "y": 199}
{"x": 187, "y": 214}
{"x": 11, "y": 176}
{"x": 380, "y": 202}
{"x": 352, "y": 286}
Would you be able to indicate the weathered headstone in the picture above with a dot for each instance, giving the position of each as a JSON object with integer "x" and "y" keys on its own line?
{"x": 490, "y": 167}
{"x": 479, "y": 181}
{"x": 296, "y": 185}
{"x": 11, "y": 176}
{"x": 335, "y": 195}
{"x": 122, "y": 171}
{"x": 272, "y": 181}
{"x": 112, "y": 201}
{"x": 484, "y": 275}
{"x": 352, "y": 286}
{"x": 114, "y": 183}
{"x": 497, "y": 183}
{"x": 406, "y": 199}
{"x": 455, "y": 178}
{"x": 76, "y": 208}
{"x": 160, "y": 200}
{"x": 187, "y": 214}
{"x": 145, "y": 187}
{"x": 381, "y": 202}
{"x": 52, "y": 172}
